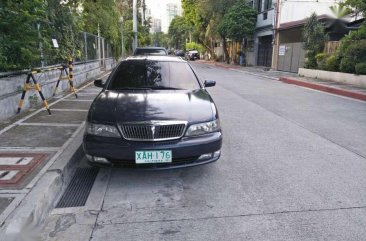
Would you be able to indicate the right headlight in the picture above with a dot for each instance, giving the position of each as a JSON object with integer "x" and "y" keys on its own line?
{"x": 203, "y": 128}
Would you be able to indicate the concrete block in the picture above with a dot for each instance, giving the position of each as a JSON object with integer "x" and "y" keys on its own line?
{"x": 356, "y": 80}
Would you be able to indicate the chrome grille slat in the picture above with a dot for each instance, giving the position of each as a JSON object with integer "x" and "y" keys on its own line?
{"x": 153, "y": 131}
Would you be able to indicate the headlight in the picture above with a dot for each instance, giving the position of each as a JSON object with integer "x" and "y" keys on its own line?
{"x": 203, "y": 128}
{"x": 102, "y": 130}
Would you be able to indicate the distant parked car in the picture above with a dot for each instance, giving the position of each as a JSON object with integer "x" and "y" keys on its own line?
{"x": 179, "y": 53}
{"x": 193, "y": 54}
{"x": 153, "y": 112}
{"x": 150, "y": 51}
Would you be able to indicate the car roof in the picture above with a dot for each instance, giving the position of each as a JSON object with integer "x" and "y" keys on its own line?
{"x": 150, "y": 48}
{"x": 159, "y": 58}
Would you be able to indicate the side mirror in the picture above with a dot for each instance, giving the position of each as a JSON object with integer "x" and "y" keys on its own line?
{"x": 99, "y": 83}
{"x": 210, "y": 83}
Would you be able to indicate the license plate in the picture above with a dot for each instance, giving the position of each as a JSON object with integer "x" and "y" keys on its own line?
{"x": 161, "y": 156}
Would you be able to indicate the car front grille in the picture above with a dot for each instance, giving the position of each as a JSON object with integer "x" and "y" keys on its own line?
{"x": 153, "y": 131}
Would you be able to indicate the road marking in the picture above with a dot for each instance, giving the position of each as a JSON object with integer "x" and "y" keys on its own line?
{"x": 28, "y": 149}
{"x": 49, "y": 124}
{"x": 15, "y": 160}
{"x": 39, "y": 110}
{"x": 68, "y": 100}
{"x": 55, "y": 156}
{"x": 81, "y": 110}
{"x": 7, "y": 175}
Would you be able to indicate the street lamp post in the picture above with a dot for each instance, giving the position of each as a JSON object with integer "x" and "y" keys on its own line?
{"x": 40, "y": 43}
{"x": 122, "y": 45}
{"x": 134, "y": 28}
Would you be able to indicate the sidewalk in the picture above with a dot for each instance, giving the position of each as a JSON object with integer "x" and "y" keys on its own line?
{"x": 37, "y": 154}
{"x": 292, "y": 78}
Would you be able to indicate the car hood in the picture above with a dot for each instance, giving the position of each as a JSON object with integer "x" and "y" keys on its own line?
{"x": 192, "y": 106}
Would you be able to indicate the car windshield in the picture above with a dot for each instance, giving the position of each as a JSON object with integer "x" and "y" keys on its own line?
{"x": 153, "y": 75}
{"x": 150, "y": 52}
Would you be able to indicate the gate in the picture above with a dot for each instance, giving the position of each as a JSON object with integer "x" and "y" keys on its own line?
{"x": 291, "y": 57}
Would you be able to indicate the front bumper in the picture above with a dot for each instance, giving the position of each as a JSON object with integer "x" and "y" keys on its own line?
{"x": 186, "y": 151}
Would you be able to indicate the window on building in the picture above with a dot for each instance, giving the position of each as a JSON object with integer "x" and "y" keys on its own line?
{"x": 267, "y": 4}
{"x": 259, "y": 5}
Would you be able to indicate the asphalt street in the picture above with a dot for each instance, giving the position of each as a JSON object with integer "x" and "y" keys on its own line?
{"x": 293, "y": 167}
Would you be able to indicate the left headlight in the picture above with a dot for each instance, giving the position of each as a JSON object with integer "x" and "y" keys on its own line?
{"x": 102, "y": 130}
{"x": 203, "y": 128}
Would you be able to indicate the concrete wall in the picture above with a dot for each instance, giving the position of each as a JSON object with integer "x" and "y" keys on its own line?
{"x": 357, "y": 80}
{"x": 11, "y": 87}
{"x": 261, "y": 22}
{"x": 298, "y": 10}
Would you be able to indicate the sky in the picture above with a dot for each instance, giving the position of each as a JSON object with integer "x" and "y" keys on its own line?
{"x": 158, "y": 10}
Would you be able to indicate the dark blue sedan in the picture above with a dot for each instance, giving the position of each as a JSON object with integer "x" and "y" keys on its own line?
{"x": 153, "y": 112}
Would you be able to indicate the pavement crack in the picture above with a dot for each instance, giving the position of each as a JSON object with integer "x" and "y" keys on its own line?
{"x": 240, "y": 215}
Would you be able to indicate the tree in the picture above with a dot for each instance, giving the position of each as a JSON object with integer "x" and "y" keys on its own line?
{"x": 103, "y": 15}
{"x": 238, "y": 23}
{"x": 178, "y": 32}
{"x": 359, "y": 6}
{"x": 204, "y": 16}
{"x": 314, "y": 39}
{"x": 19, "y": 40}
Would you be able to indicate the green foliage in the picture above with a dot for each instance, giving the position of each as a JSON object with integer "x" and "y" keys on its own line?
{"x": 178, "y": 32}
{"x": 19, "y": 37}
{"x": 320, "y": 60}
{"x": 194, "y": 45}
{"x": 20, "y": 40}
{"x": 238, "y": 22}
{"x": 314, "y": 38}
{"x": 354, "y": 54}
{"x": 361, "y": 68}
{"x": 332, "y": 63}
{"x": 103, "y": 14}
{"x": 160, "y": 39}
{"x": 358, "y": 5}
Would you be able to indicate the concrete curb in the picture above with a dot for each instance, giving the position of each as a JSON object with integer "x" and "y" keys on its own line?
{"x": 42, "y": 198}
{"x": 329, "y": 89}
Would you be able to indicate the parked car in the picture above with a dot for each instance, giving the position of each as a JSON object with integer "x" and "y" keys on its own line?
{"x": 179, "y": 53}
{"x": 193, "y": 55}
{"x": 150, "y": 51}
{"x": 153, "y": 112}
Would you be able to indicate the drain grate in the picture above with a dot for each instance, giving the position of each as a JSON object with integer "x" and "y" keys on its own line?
{"x": 78, "y": 190}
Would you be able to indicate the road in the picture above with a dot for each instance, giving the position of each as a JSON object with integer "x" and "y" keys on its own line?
{"x": 293, "y": 167}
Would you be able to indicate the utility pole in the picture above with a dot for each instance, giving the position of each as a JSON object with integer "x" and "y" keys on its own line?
{"x": 134, "y": 13}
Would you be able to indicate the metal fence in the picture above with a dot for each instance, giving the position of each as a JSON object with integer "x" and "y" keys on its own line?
{"x": 92, "y": 48}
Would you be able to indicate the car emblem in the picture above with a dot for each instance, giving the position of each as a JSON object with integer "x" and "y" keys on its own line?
{"x": 153, "y": 131}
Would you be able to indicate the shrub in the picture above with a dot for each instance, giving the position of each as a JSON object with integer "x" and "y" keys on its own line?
{"x": 310, "y": 60}
{"x": 354, "y": 54}
{"x": 332, "y": 63}
{"x": 361, "y": 68}
{"x": 320, "y": 60}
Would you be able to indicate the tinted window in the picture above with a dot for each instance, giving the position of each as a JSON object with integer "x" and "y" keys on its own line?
{"x": 154, "y": 75}
{"x": 150, "y": 52}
